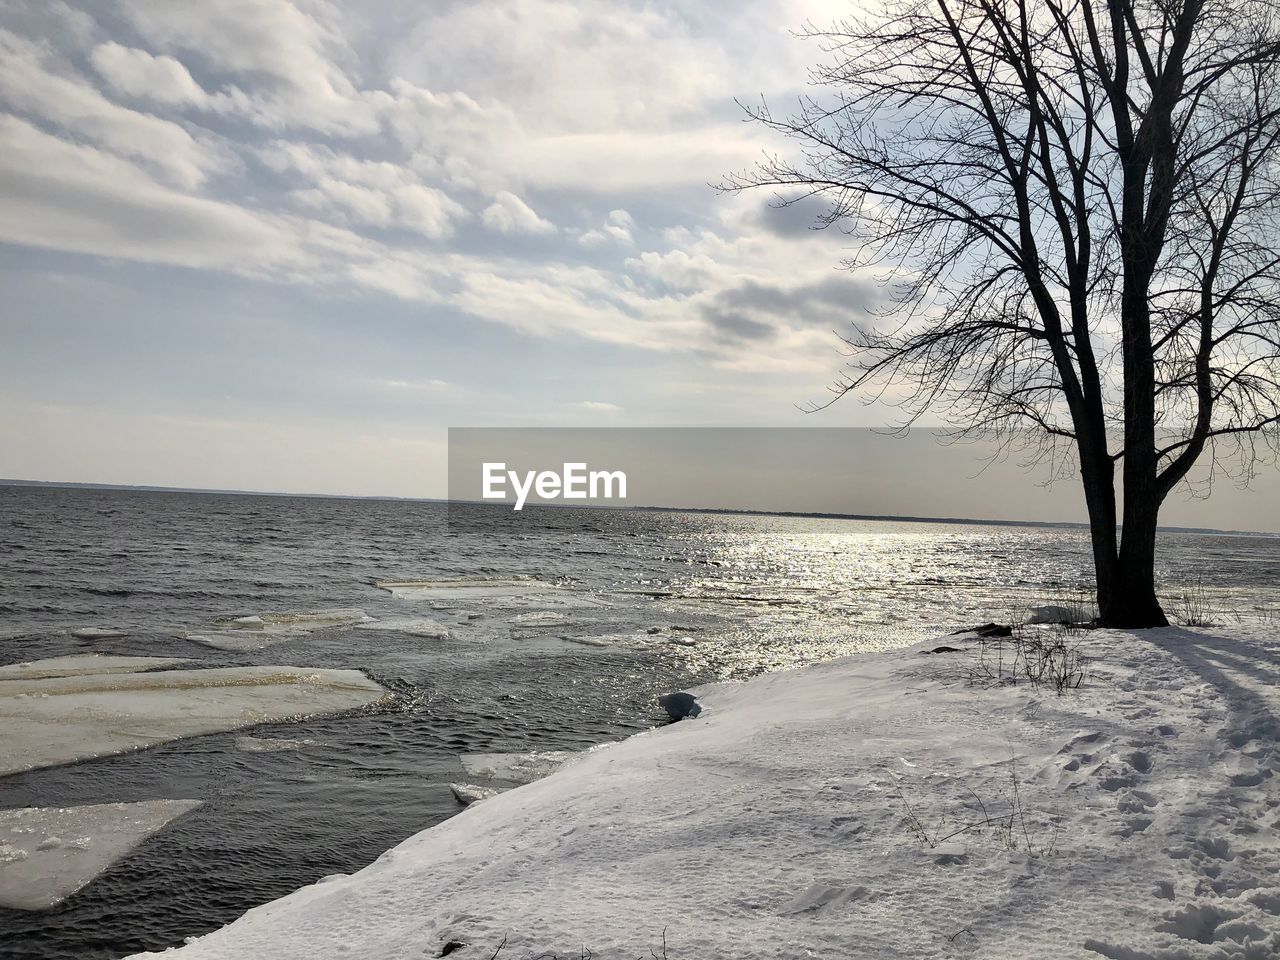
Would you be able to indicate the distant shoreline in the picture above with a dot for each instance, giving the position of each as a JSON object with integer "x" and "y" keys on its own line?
{"x": 794, "y": 514}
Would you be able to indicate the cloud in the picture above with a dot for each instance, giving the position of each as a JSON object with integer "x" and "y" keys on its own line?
{"x": 65, "y": 196}
{"x": 272, "y": 39}
{"x": 614, "y": 65}
{"x": 600, "y": 406}
{"x": 414, "y": 386}
{"x": 361, "y": 158}
{"x": 291, "y": 65}
{"x": 616, "y": 229}
{"x": 675, "y": 268}
{"x": 632, "y": 161}
{"x": 509, "y": 214}
{"x": 142, "y": 76}
{"x": 371, "y": 193}
{"x": 819, "y": 300}
{"x": 31, "y": 84}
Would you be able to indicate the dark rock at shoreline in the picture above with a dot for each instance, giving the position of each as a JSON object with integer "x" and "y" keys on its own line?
{"x": 680, "y": 705}
{"x": 986, "y": 630}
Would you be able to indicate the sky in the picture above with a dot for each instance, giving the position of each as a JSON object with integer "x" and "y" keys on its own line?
{"x": 285, "y": 244}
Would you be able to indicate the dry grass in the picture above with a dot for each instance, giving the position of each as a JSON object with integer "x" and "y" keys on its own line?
{"x": 1041, "y": 658}
{"x": 1006, "y": 821}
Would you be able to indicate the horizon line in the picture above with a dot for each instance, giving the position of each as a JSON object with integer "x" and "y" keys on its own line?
{"x": 739, "y": 511}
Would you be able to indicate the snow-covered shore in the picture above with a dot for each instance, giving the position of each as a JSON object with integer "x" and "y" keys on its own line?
{"x": 807, "y": 814}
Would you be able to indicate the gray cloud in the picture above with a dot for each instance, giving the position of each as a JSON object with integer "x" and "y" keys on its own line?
{"x": 737, "y": 326}
{"x": 756, "y": 310}
{"x": 794, "y": 219}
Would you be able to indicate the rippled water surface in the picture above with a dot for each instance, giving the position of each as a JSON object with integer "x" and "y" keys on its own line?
{"x": 624, "y": 606}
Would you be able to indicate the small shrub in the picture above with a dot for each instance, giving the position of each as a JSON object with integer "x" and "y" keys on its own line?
{"x": 1194, "y": 607}
{"x": 1037, "y": 657}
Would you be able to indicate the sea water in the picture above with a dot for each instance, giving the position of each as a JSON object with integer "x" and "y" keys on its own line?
{"x": 540, "y": 636}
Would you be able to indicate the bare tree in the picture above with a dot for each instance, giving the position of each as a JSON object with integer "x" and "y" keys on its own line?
{"x": 1077, "y": 207}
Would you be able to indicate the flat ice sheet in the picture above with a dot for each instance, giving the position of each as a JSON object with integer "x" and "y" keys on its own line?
{"x": 414, "y": 626}
{"x": 48, "y": 853}
{"x": 258, "y": 631}
{"x": 85, "y": 664}
{"x": 98, "y": 633}
{"x": 469, "y": 793}
{"x": 515, "y": 767}
{"x": 63, "y": 719}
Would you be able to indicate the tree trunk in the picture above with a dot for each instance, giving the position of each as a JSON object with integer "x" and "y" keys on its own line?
{"x": 1130, "y": 596}
{"x": 1125, "y": 576}
{"x": 1098, "y": 476}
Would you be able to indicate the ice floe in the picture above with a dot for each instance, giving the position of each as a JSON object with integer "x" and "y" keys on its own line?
{"x": 647, "y": 640}
{"x": 1052, "y": 613}
{"x": 257, "y": 631}
{"x": 48, "y": 853}
{"x": 588, "y": 641}
{"x": 515, "y": 767}
{"x": 60, "y": 719}
{"x": 85, "y": 664}
{"x": 98, "y": 633}
{"x": 414, "y": 626}
{"x": 469, "y": 793}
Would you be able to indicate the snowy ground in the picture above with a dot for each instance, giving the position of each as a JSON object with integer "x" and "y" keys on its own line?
{"x": 883, "y": 806}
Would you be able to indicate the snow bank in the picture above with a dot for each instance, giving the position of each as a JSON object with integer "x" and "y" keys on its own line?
{"x": 59, "y": 719}
{"x": 47, "y": 854}
{"x": 837, "y": 811}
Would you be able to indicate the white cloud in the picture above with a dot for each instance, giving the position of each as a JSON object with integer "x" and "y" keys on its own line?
{"x": 631, "y": 161}
{"x": 600, "y": 406}
{"x": 676, "y": 268}
{"x": 291, "y": 63}
{"x": 410, "y": 143}
{"x": 415, "y": 386}
{"x": 617, "y": 227}
{"x": 509, "y": 214}
{"x": 570, "y": 65}
{"x": 138, "y": 74}
{"x": 67, "y": 196}
{"x": 30, "y": 85}
{"x": 370, "y": 193}
{"x": 426, "y": 210}
{"x": 271, "y": 38}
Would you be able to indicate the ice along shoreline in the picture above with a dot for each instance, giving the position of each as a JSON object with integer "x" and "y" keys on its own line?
{"x": 80, "y": 707}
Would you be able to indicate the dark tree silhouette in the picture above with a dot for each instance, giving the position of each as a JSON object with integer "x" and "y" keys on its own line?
{"x": 1076, "y": 204}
